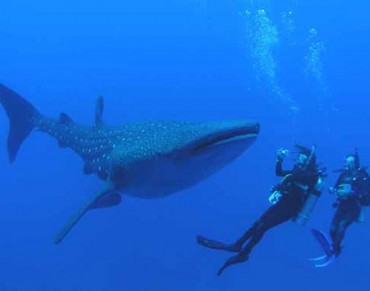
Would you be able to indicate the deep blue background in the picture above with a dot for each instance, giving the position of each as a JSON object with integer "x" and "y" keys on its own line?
{"x": 184, "y": 60}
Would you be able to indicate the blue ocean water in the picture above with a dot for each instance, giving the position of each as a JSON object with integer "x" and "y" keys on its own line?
{"x": 182, "y": 60}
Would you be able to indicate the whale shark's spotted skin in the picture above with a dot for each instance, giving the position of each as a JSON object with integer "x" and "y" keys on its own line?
{"x": 146, "y": 160}
{"x": 96, "y": 144}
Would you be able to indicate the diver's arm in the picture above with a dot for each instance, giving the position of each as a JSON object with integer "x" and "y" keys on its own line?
{"x": 339, "y": 181}
{"x": 341, "y": 189}
{"x": 334, "y": 189}
{"x": 279, "y": 168}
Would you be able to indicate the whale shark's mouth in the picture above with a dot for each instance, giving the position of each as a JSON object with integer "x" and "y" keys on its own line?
{"x": 223, "y": 141}
{"x": 226, "y": 138}
{"x": 216, "y": 145}
{"x": 226, "y": 141}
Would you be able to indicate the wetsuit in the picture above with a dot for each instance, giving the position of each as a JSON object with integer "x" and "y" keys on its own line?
{"x": 349, "y": 208}
{"x": 299, "y": 183}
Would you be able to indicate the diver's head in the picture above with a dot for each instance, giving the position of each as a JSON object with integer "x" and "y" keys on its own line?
{"x": 261, "y": 12}
{"x": 313, "y": 31}
{"x": 352, "y": 162}
{"x": 301, "y": 160}
{"x": 306, "y": 157}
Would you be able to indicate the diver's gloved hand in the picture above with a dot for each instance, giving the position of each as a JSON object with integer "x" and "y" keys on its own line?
{"x": 275, "y": 197}
{"x": 281, "y": 154}
{"x": 344, "y": 191}
{"x": 332, "y": 190}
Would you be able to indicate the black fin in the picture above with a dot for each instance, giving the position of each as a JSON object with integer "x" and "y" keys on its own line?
{"x": 99, "y": 111}
{"x": 64, "y": 118}
{"x": 81, "y": 212}
{"x": 88, "y": 168}
{"x": 109, "y": 200}
{"x": 217, "y": 245}
{"x": 21, "y": 114}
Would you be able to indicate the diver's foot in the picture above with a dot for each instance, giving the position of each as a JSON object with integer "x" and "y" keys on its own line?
{"x": 240, "y": 258}
{"x": 336, "y": 250}
{"x": 217, "y": 245}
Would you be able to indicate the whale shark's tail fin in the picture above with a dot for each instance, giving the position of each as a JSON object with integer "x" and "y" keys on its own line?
{"x": 21, "y": 115}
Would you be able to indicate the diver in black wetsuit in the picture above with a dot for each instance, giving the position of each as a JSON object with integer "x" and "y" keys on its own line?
{"x": 298, "y": 191}
{"x": 353, "y": 193}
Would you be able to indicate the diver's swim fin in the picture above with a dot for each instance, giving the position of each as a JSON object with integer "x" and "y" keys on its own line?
{"x": 323, "y": 261}
{"x": 318, "y": 259}
{"x": 217, "y": 245}
{"x": 327, "y": 258}
{"x": 102, "y": 199}
{"x": 323, "y": 241}
{"x": 237, "y": 259}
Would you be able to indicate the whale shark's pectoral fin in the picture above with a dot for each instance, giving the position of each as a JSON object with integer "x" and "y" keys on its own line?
{"x": 99, "y": 111}
{"x": 108, "y": 200}
{"x": 107, "y": 197}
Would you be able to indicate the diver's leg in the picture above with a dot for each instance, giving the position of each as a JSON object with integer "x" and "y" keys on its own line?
{"x": 275, "y": 215}
{"x": 267, "y": 216}
{"x": 243, "y": 255}
{"x": 342, "y": 220}
{"x": 340, "y": 233}
{"x": 335, "y": 232}
{"x": 233, "y": 247}
{"x": 249, "y": 233}
{"x": 236, "y": 246}
{"x": 270, "y": 218}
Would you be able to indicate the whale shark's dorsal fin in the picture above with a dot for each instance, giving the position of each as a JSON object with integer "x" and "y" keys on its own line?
{"x": 64, "y": 118}
{"x": 99, "y": 111}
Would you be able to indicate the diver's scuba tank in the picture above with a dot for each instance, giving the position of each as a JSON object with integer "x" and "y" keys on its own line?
{"x": 305, "y": 213}
{"x": 361, "y": 215}
{"x": 311, "y": 197}
{"x": 309, "y": 204}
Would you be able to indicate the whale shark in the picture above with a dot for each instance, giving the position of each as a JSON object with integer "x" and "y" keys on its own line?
{"x": 146, "y": 160}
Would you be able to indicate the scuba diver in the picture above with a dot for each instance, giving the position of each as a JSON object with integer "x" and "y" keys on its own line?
{"x": 352, "y": 191}
{"x": 292, "y": 199}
